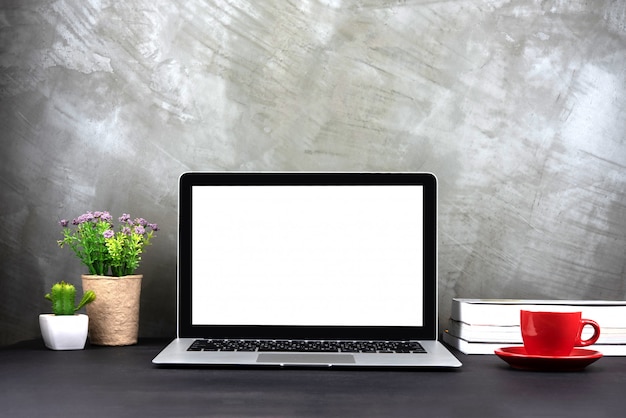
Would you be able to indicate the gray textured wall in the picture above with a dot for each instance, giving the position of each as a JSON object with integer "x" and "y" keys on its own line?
{"x": 517, "y": 106}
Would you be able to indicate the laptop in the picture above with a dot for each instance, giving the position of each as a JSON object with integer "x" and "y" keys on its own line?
{"x": 307, "y": 270}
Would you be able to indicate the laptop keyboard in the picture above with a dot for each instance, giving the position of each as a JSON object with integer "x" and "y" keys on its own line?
{"x": 308, "y": 346}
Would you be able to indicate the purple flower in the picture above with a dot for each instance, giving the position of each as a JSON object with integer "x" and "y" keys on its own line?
{"x": 125, "y": 218}
{"x": 64, "y": 223}
{"x": 140, "y": 230}
{"x": 102, "y": 215}
{"x": 154, "y": 227}
{"x": 126, "y": 230}
{"x": 141, "y": 221}
{"x": 85, "y": 217}
{"x": 108, "y": 233}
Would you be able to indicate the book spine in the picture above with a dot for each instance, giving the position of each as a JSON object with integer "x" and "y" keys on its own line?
{"x": 467, "y": 347}
{"x": 509, "y": 314}
{"x": 513, "y": 334}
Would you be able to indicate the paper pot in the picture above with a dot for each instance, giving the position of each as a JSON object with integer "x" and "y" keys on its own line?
{"x": 114, "y": 315}
{"x": 64, "y": 332}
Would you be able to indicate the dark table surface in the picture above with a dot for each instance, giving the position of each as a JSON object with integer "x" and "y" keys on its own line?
{"x": 121, "y": 381}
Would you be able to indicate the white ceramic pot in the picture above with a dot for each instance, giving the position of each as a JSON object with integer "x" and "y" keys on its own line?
{"x": 64, "y": 332}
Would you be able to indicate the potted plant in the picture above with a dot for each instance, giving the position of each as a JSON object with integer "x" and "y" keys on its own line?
{"x": 112, "y": 255}
{"x": 64, "y": 329}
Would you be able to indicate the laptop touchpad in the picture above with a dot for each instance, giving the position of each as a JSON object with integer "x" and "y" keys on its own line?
{"x": 300, "y": 358}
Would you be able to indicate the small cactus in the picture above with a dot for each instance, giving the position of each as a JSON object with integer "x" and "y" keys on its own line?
{"x": 63, "y": 296}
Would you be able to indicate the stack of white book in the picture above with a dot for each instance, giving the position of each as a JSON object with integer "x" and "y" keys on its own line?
{"x": 479, "y": 326}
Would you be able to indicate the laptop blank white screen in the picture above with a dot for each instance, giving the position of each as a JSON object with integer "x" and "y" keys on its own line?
{"x": 307, "y": 255}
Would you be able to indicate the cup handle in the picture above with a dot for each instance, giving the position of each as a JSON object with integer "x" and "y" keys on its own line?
{"x": 596, "y": 333}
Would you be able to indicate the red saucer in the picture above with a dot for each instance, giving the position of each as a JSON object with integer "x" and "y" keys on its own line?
{"x": 576, "y": 361}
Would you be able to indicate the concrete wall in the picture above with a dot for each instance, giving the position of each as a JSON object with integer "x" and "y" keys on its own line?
{"x": 517, "y": 106}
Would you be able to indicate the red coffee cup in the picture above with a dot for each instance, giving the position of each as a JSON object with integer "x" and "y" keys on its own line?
{"x": 555, "y": 333}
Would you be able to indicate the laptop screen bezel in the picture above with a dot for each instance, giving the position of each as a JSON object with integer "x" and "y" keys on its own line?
{"x": 186, "y": 328}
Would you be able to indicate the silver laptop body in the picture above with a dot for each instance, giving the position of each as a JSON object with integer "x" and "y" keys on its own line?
{"x": 342, "y": 264}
